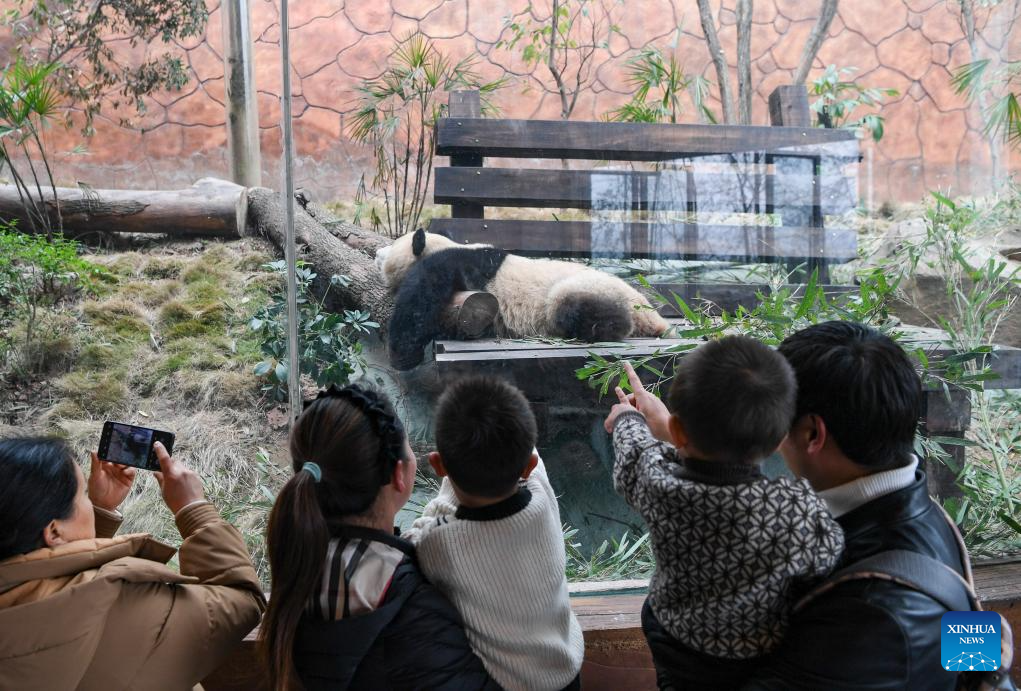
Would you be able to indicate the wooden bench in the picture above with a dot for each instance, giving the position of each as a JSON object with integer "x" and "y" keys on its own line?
{"x": 616, "y": 654}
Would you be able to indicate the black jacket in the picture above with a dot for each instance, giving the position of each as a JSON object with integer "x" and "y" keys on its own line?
{"x": 414, "y": 640}
{"x": 872, "y": 634}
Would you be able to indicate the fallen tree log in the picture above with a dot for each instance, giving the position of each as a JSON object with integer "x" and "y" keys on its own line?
{"x": 352, "y": 235}
{"x": 470, "y": 314}
{"x": 327, "y": 254}
{"x": 210, "y": 207}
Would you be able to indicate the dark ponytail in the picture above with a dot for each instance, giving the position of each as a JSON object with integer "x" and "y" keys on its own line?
{"x": 37, "y": 485}
{"x": 354, "y": 438}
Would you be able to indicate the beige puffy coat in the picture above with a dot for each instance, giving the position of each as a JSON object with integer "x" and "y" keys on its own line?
{"x": 109, "y": 614}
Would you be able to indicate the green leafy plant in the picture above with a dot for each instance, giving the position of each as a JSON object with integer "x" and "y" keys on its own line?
{"x": 1003, "y": 114}
{"x": 779, "y": 312}
{"x": 36, "y": 274}
{"x": 329, "y": 343}
{"x": 395, "y": 115}
{"x": 652, "y": 74}
{"x": 28, "y": 103}
{"x": 838, "y": 97}
{"x": 613, "y": 560}
{"x": 74, "y": 35}
{"x": 566, "y": 38}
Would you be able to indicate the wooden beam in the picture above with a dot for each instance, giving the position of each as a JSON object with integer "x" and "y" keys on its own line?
{"x": 654, "y": 240}
{"x": 631, "y": 141}
{"x": 695, "y": 190}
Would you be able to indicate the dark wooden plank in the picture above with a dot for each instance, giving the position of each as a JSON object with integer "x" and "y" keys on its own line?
{"x": 654, "y": 240}
{"x": 466, "y": 104}
{"x": 615, "y": 141}
{"x": 725, "y": 191}
{"x": 729, "y": 296}
{"x": 788, "y": 106}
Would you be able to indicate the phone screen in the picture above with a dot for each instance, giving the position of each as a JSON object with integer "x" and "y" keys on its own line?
{"x": 129, "y": 445}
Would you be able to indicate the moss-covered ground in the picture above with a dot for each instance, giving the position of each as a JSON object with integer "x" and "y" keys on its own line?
{"x": 164, "y": 343}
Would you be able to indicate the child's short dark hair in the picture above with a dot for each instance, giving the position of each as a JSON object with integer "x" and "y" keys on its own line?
{"x": 735, "y": 398}
{"x": 485, "y": 433}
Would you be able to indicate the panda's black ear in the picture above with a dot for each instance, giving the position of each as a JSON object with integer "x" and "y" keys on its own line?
{"x": 418, "y": 242}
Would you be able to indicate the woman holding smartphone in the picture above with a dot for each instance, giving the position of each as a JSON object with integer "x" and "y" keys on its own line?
{"x": 350, "y": 609}
{"x": 82, "y": 609}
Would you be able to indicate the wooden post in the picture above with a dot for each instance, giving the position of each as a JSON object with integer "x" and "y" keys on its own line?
{"x": 946, "y": 418}
{"x": 465, "y": 104}
{"x": 788, "y": 107}
{"x": 239, "y": 84}
{"x": 471, "y": 314}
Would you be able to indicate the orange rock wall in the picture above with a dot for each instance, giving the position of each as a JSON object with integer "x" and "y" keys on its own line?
{"x": 933, "y": 137}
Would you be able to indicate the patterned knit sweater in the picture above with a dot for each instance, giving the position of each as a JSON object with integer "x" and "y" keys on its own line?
{"x": 503, "y": 568}
{"x": 731, "y": 546}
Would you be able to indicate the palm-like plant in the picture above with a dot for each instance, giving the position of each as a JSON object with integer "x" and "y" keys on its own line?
{"x": 838, "y": 97}
{"x": 651, "y": 73}
{"x": 395, "y": 115}
{"x": 1003, "y": 115}
{"x": 28, "y": 102}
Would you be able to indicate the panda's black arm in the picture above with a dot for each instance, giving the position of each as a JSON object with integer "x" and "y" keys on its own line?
{"x": 421, "y": 299}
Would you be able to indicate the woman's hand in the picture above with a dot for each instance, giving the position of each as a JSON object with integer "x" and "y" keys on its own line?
{"x": 654, "y": 410}
{"x": 180, "y": 485}
{"x": 623, "y": 406}
{"x": 109, "y": 483}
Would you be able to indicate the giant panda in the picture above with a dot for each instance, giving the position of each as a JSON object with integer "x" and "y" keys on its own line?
{"x": 536, "y": 297}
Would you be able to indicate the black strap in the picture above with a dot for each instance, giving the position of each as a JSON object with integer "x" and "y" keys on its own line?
{"x": 910, "y": 569}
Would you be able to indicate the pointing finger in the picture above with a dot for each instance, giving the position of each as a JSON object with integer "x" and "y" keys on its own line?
{"x": 632, "y": 377}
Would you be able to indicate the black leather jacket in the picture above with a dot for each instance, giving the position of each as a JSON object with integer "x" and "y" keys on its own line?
{"x": 872, "y": 634}
{"x": 414, "y": 640}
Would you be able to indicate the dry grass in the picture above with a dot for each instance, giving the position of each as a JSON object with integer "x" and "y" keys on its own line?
{"x": 168, "y": 347}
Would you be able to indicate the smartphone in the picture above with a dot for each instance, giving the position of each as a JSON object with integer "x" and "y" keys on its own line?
{"x": 132, "y": 445}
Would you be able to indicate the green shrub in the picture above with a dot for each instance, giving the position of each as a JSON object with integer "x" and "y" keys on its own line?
{"x": 330, "y": 350}
{"x": 36, "y": 276}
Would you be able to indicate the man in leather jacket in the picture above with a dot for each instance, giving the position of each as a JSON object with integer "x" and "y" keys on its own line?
{"x": 859, "y": 401}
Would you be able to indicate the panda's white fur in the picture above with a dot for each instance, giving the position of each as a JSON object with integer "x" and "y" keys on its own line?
{"x": 529, "y": 291}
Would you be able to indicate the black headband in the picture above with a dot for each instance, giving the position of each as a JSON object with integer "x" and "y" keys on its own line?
{"x": 385, "y": 424}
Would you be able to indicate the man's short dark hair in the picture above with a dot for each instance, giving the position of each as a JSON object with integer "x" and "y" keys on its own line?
{"x": 863, "y": 386}
{"x": 485, "y": 433}
{"x": 735, "y": 398}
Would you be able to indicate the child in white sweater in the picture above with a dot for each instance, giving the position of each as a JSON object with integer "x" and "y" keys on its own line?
{"x": 492, "y": 541}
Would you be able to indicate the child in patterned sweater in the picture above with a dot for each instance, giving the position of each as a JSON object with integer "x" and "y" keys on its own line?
{"x": 733, "y": 548}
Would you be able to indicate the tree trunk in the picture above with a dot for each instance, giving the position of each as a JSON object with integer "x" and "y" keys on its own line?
{"x": 744, "y": 61}
{"x": 815, "y": 39}
{"x": 327, "y": 254}
{"x": 712, "y": 39}
{"x": 352, "y": 235}
{"x": 209, "y": 207}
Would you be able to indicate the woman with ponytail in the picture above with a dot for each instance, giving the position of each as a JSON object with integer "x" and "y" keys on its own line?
{"x": 349, "y": 608}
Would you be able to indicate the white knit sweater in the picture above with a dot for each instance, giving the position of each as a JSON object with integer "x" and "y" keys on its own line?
{"x": 503, "y": 568}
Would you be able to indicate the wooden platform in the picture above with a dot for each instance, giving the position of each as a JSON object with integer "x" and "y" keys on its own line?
{"x": 616, "y": 655}
{"x": 463, "y": 357}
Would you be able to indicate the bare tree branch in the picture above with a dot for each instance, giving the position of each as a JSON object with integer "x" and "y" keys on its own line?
{"x": 968, "y": 20}
{"x": 705, "y": 14}
{"x": 815, "y": 39}
{"x": 744, "y": 61}
{"x": 565, "y": 106}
